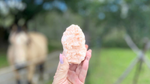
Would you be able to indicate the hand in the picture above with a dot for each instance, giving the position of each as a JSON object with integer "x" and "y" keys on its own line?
{"x": 73, "y": 73}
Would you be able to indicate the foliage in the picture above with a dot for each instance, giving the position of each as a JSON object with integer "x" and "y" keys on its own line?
{"x": 97, "y": 18}
{"x": 54, "y": 45}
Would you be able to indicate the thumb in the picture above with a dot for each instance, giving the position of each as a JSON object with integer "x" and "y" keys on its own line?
{"x": 62, "y": 70}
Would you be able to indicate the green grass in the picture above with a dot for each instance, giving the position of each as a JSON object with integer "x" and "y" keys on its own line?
{"x": 3, "y": 60}
{"x": 49, "y": 82}
{"x": 107, "y": 65}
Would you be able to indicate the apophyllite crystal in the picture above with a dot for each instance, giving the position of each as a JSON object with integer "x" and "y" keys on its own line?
{"x": 73, "y": 41}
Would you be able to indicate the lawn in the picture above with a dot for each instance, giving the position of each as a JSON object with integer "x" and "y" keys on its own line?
{"x": 3, "y": 60}
{"x": 107, "y": 65}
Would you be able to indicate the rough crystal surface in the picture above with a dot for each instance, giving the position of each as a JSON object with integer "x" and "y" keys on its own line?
{"x": 73, "y": 41}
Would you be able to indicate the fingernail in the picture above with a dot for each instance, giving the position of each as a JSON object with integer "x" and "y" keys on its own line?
{"x": 61, "y": 59}
{"x": 90, "y": 50}
{"x": 86, "y": 45}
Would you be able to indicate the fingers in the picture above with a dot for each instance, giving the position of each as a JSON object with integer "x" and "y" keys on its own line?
{"x": 62, "y": 69}
{"x": 73, "y": 78}
{"x": 79, "y": 67}
{"x": 85, "y": 65}
{"x": 86, "y": 46}
{"x": 88, "y": 54}
{"x": 73, "y": 67}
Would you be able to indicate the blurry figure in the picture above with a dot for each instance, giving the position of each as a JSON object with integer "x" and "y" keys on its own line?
{"x": 27, "y": 50}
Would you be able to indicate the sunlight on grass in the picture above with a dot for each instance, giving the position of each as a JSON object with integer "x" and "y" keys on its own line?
{"x": 107, "y": 65}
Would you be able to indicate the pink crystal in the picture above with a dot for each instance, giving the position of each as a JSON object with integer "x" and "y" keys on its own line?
{"x": 73, "y": 41}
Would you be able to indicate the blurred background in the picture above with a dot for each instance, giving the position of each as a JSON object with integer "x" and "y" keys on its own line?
{"x": 104, "y": 23}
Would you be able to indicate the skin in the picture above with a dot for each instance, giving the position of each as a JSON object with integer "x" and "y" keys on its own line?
{"x": 72, "y": 73}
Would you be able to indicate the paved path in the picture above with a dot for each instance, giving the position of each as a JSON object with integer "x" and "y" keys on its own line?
{"x": 7, "y": 76}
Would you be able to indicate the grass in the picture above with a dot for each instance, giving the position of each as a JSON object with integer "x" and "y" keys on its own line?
{"x": 3, "y": 60}
{"x": 107, "y": 65}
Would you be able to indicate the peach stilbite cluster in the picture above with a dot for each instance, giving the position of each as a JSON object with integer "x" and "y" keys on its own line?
{"x": 73, "y": 41}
